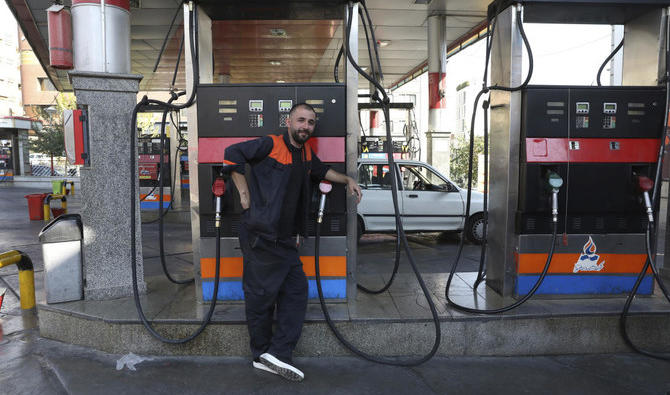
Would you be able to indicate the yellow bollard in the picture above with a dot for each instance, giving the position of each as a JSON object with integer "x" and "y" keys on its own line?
{"x": 46, "y": 208}
{"x": 47, "y": 205}
{"x": 72, "y": 189}
{"x": 26, "y": 276}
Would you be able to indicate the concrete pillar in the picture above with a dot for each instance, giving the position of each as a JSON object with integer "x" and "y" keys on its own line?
{"x": 105, "y": 184}
{"x": 353, "y": 136}
{"x": 437, "y": 138}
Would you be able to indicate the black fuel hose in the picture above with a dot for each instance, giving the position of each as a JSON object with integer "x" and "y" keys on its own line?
{"x": 650, "y": 227}
{"x": 602, "y": 66}
{"x": 161, "y": 222}
{"x": 147, "y": 104}
{"x": 485, "y": 90}
{"x": 375, "y": 72}
{"x": 623, "y": 319}
{"x": 373, "y": 67}
{"x": 485, "y": 208}
{"x": 401, "y": 234}
{"x": 133, "y": 251}
{"x": 336, "y": 69}
{"x": 482, "y": 257}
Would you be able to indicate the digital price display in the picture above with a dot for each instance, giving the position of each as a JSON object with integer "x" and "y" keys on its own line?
{"x": 582, "y": 108}
{"x": 609, "y": 108}
{"x": 285, "y": 105}
{"x": 256, "y": 105}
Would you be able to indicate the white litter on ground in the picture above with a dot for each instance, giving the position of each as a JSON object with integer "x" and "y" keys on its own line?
{"x": 130, "y": 360}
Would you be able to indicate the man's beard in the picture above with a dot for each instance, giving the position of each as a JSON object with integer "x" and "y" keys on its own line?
{"x": 297, "y": 136}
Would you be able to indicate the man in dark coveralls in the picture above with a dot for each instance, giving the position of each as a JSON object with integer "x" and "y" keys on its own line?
{"x": 275, "y": 206}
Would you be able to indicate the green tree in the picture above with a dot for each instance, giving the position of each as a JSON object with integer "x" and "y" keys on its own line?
{"x": 49, "y": 137}
{"x": 460, "y": 146}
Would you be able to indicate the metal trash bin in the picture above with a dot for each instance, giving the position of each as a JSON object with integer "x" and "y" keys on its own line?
{"x": 61, "y": 248}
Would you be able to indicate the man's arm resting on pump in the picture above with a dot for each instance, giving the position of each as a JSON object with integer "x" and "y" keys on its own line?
{"x": 242, "y": 187}
{"x": 340, "y": 178}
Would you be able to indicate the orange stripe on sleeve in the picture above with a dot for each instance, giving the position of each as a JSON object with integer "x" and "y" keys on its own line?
{"x": 280, "y": 152}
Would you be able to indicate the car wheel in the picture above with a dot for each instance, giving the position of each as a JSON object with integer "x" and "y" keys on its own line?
{"x": 474, "y": 228}
{"x": 359, "y": 228}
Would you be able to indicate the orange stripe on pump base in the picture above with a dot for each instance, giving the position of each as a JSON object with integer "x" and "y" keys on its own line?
{"x": 331, "y": 266}
{"x": 571, "y": 263}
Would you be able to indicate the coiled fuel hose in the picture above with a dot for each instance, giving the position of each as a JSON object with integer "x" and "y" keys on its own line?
{"x": 401, "y": 234}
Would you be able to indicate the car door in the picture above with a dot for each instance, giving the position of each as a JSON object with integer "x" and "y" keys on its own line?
{"x": 376, "y": 207}
{"x": 429, "y": 201}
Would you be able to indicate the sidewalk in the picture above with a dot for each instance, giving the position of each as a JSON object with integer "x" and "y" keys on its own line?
{"x": 31, "y": 365}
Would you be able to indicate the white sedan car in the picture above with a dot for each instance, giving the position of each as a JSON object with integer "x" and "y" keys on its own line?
{"x": 427, "y": 200}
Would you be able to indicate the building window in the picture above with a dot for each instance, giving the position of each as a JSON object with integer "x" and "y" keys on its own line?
{"x": 45, "y": 84}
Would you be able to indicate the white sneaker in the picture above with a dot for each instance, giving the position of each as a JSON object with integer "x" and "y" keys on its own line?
{"x": 283, "y": 369}
{"x": 259, "y": 365}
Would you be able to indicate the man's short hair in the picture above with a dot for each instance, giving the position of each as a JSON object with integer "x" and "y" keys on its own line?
{"x": 304, "y": 105}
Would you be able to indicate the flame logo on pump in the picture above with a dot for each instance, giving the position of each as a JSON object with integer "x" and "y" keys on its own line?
{"x": 588, "y": 259}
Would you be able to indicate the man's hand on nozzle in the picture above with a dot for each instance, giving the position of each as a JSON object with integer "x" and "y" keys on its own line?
{"x": 355, "y": 189}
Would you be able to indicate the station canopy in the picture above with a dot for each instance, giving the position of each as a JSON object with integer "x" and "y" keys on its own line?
{"x": 269, "y": 41}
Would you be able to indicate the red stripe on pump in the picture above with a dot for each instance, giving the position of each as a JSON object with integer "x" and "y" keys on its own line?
{"x": 211, "y": 149}
{"x": 329, "y": 149}
{"x": 597, "y": 150}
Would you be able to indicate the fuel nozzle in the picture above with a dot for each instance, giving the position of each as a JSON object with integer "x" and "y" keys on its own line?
{"x": 554, "y": 183}
{"x": 218, "y": 189}
{"x": 645, "y": 184}
{"x": 325, "y": 187}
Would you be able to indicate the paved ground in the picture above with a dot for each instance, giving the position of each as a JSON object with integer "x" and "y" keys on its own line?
{"x": 30, "y": 364}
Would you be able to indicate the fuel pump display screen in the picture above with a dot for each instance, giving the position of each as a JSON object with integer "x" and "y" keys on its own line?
{"x": 256, "y": 105}
{"x": 285, "y": 105}
{"x": 609, "y": 108}
{"x": 582, "y": 108}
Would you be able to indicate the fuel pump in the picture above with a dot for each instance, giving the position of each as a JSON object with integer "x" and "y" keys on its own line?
{"x": 582, "y": 134}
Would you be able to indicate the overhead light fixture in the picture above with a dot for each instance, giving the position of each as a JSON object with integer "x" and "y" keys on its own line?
{"x": 278, "y": 32}
{"x": 275, "y": 62}
{"x": 280, "y": 81}
{"x": 422, "y": 1}
{"x": 364, "y": 68}
{"x": 383, "y": 43}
